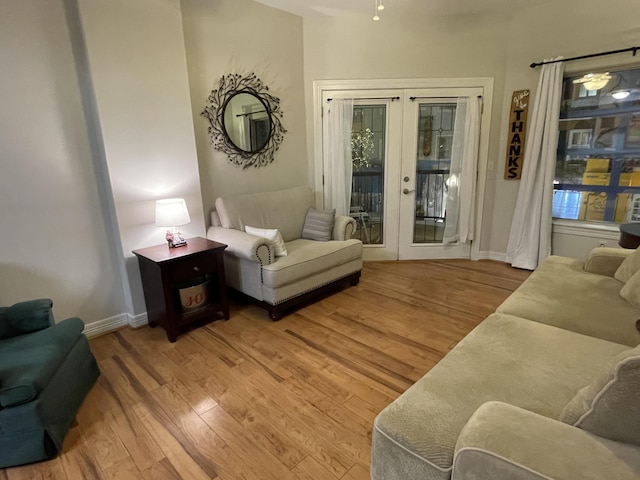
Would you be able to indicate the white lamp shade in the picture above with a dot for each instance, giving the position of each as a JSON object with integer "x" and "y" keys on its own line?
{"x": 171, "y": 212}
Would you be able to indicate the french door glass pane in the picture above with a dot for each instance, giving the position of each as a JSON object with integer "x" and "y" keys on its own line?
{"x": 368, "y": 155}
{"x": 435, "y": 134}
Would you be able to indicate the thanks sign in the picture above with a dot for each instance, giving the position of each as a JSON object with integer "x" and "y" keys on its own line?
{"x": 517, "y": 133}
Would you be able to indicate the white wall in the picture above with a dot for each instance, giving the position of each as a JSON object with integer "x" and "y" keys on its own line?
{"x": 241, "y": 36}
{"x": 424, "y": 42}
{"x": 408, "y": 45}
{"x": 96, "y": 125}
{"x": 547, "y": 30}
{"x": 138, "y": 73}
{"x": 55, "y": 241}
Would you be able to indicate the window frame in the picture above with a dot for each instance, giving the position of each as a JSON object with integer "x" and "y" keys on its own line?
{"x": 570, "y": 149}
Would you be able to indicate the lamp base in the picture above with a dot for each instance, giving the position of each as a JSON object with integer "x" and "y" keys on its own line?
{"x": 175, "y": 239}
{"x": 175, "y": 245}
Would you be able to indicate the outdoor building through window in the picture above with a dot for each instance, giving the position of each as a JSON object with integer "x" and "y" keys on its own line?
{"x": 598, "y": 165}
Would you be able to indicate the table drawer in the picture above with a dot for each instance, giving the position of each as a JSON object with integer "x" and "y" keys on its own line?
{"x": 194, "y": 266}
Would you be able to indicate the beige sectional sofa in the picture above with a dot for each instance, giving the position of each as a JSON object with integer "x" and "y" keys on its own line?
{"x": 548, "y": 387}
{"x": 311, "y": 267}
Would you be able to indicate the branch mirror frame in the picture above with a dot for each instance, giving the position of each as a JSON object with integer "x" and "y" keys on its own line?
{"x": 244, "y": 120}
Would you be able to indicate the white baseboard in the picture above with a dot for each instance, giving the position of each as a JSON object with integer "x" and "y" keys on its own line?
{"x": 106, "y": 325}
{"x": 137, "y": 321}
{"x": 497, "y": 256}
{"x": 100, "y": 327}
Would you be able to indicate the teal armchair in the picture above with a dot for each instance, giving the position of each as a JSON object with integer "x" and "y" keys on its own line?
{"x": 46, "y": 370}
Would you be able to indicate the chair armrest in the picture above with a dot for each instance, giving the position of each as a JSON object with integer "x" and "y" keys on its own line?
{"x": 243, "y": 245}
{"x": 343, "y": 228}
{"x": 26, "y": 317}
{"x": 504, "y": 441}
{"x": 605, "y": 260}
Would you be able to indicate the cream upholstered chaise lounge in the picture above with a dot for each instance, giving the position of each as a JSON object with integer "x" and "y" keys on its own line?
{"x": 313, "y": 266}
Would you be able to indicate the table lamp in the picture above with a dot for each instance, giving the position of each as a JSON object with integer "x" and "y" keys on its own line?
{"x": 172, "y": 212}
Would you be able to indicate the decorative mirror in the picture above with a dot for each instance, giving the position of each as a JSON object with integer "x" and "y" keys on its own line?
{"x": 244, "y": 120}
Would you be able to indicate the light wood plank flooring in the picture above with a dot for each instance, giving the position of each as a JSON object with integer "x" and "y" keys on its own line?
{"x": 259, "y": 400}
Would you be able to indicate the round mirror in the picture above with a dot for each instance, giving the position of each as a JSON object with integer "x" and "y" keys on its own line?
{"x": 247, "y": 122}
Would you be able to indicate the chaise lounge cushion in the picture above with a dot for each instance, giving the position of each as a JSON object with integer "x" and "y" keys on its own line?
{"x": 27, "y": 362}
{"x": 527, "y": 364}
{"x": 286, "y": 211}
{"x": 609, "y": 406}
{"x": 561, "y": 293}
{"x": 271, "y": 234}
{"x": 318, "y": 225}
{"x": 307, "y": 257}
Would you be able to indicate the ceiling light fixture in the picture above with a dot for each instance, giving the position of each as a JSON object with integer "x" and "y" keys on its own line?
{"x": 620, "y": 94}
{"x": 376, "y": 7}
{"x": 593, "y": 81}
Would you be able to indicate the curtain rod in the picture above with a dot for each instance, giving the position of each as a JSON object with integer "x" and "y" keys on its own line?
{"x": 413, "y": 99}
{"x": 393, "y": 99}
{"x": 611, "y": 52}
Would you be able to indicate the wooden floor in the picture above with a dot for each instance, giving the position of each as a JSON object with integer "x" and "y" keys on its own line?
{"x": 253, "y": 399}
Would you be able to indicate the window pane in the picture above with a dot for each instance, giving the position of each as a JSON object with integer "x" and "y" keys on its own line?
{"x": 597, "y": 174}
{"x": 368, "y": 157}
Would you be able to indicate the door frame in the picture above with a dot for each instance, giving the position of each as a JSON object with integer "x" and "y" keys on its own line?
{"x": 322, "y": 87}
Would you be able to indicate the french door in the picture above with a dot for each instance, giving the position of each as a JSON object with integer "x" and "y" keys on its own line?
{"x": 401, "y": 146}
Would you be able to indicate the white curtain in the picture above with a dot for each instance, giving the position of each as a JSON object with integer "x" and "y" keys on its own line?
{"x": 530, "y": 236}
{"x": 337, "y": 145}
{"x": 461, "y": 186}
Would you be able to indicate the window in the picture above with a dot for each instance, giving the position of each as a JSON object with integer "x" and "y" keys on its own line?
{"x": 598, "y": 165}
{"x": 368, "y": 156}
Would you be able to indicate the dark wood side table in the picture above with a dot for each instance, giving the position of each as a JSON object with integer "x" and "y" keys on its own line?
{"x": 629, "y": 235}
{"x": 167, "y": 273}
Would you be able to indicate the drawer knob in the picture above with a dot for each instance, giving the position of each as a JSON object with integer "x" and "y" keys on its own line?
{"x": 196, "y": 269}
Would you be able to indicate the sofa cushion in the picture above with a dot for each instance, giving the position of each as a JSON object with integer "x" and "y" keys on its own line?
{"x": 318, "y": 225}
{"x": 528, "y": 364}
{"x": 502, "y": 441}
{"x": 27, "y": 362}
{"x": 306, "y": 258}
{"x": 610, "y": 405}
{"x": 271, "y": 234}
{"x": 560, "y": 293}
{"x": 284, "y": 210}
{"x": 631, "y": 290}
{"x": 628, "y": 267}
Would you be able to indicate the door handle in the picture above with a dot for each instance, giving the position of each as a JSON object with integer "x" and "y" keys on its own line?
{"x": 406, "y": 191}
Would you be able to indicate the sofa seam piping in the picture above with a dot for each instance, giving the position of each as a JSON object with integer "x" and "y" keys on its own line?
{"x": 375, "y": 425}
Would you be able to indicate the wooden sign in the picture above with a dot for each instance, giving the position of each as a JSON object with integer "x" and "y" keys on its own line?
{"x": 517, "y": 134}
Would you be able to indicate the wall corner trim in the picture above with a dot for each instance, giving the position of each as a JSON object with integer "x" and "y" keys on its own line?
{"x": 111, "y": 324}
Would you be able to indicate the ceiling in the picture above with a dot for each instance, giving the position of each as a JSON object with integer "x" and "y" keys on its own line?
{"x": 337, "y": 8}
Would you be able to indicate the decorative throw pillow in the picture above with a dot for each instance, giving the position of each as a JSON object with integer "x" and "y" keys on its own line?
{"x": 628, "y": 267}
{"x": 318, "y": 225}
{"x": 609, "y": 406}
{"x": 631, "y": 290}
{"x": 269, "y": 234}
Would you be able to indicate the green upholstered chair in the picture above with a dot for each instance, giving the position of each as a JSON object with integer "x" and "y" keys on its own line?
{"x": 46, "y": 370}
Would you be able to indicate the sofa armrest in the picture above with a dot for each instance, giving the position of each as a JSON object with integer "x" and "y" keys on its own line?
{"x": 504, "y": 441}
{"x": 26, "y": 317}
{"x": 243, "y": 245}
{"x": 605, "y": 260}
{"x": 343, "y": 227}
